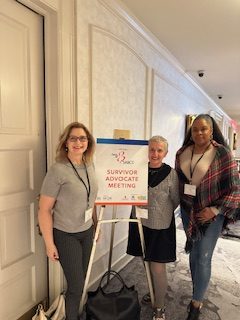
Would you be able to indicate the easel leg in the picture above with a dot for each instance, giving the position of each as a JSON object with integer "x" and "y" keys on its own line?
{"x": 91, "y": 260}
{"x": 111, "y": 242}
{"x": 146, "y": 263}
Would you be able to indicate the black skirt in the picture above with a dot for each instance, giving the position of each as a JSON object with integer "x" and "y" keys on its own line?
{"x": 160, "y": 244}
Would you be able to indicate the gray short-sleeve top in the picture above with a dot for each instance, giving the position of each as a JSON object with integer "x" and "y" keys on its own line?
{"x": 62, "y": 183}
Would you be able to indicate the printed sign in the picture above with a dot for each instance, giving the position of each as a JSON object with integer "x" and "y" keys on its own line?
{"x": 122, "y": 171}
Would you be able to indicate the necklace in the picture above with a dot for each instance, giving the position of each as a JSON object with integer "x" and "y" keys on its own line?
{"x": 194, "y": 167}
{"x": 203, "y": 150}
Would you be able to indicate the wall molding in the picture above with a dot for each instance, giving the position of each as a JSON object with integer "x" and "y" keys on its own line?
{"x": 96, "y": 29}
{"x": 124, "y": 14}
{"x": 170, "y": 83}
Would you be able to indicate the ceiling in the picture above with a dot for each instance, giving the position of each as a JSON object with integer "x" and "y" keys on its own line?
{"x": 202, "y": 35}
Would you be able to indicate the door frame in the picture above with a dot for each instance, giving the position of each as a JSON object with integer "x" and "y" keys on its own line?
{"x": 59, "y": 43}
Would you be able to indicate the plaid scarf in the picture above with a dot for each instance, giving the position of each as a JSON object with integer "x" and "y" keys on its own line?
{"x": 220, "y": 187}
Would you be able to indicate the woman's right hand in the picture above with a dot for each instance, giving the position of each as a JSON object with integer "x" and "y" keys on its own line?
{"x": 52, "y": 252}
{"x": 45, "y": 220}
{"x": 205, "y": 215}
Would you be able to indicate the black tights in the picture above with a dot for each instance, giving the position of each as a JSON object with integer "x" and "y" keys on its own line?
{"x": 74, "y": 251}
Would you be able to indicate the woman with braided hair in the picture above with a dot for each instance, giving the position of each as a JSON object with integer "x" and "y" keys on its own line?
{"x": 209, "y": 196}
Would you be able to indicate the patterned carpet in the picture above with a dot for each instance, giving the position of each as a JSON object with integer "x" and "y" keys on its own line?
{"x": 223, "y": 296}
{"x": 233, "y": 231}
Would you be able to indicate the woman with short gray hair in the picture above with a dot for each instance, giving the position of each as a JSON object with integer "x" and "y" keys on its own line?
{"x": 159, "y": 227}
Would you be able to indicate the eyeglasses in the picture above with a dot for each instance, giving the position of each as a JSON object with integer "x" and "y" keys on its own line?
{"x": 80, "y": 138}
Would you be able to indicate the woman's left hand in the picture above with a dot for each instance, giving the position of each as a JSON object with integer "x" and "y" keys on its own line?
{"x": 205, "y": 215}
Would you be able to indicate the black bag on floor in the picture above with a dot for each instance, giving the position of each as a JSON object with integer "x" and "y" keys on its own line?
{"x": 120, "y": 305}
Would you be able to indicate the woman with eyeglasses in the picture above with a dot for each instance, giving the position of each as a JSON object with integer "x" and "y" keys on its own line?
{"x": 209, "y": 196}
{"x": 66, "y": 214}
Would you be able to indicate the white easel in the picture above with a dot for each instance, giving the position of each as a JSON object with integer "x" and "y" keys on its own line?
{"x": 113, "y": 221}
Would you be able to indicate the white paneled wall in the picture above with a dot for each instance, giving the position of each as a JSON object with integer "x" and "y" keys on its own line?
{"x": 128, "y": 80}
{"x": 118, "y": 81}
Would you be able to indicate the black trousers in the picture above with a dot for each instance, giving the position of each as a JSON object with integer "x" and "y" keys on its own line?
{"x": 74, "y": 251}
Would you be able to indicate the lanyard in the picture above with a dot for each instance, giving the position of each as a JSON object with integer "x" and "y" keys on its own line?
{"x": 193, "y": 169}
{"x": 88, "y": 189}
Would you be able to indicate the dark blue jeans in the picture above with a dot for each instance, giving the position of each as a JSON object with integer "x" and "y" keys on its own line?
{"x": 200, "y": 258}
{"x": 74, "y": 251}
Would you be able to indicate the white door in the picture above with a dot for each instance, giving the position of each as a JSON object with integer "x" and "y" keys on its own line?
{"x": 23, "y": 263}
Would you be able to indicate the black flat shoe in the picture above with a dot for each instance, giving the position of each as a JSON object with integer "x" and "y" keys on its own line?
{"x": 193, "y": 312}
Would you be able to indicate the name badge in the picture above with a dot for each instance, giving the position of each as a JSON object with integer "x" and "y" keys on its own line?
{"x": 190, "y": 189}
{"x": 88, "y": 214}
{"x": 141, "y": 213}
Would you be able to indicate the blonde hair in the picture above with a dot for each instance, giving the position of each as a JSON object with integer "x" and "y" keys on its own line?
{"x": 159, "y": 139}
{"x": 61, "y": 152}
